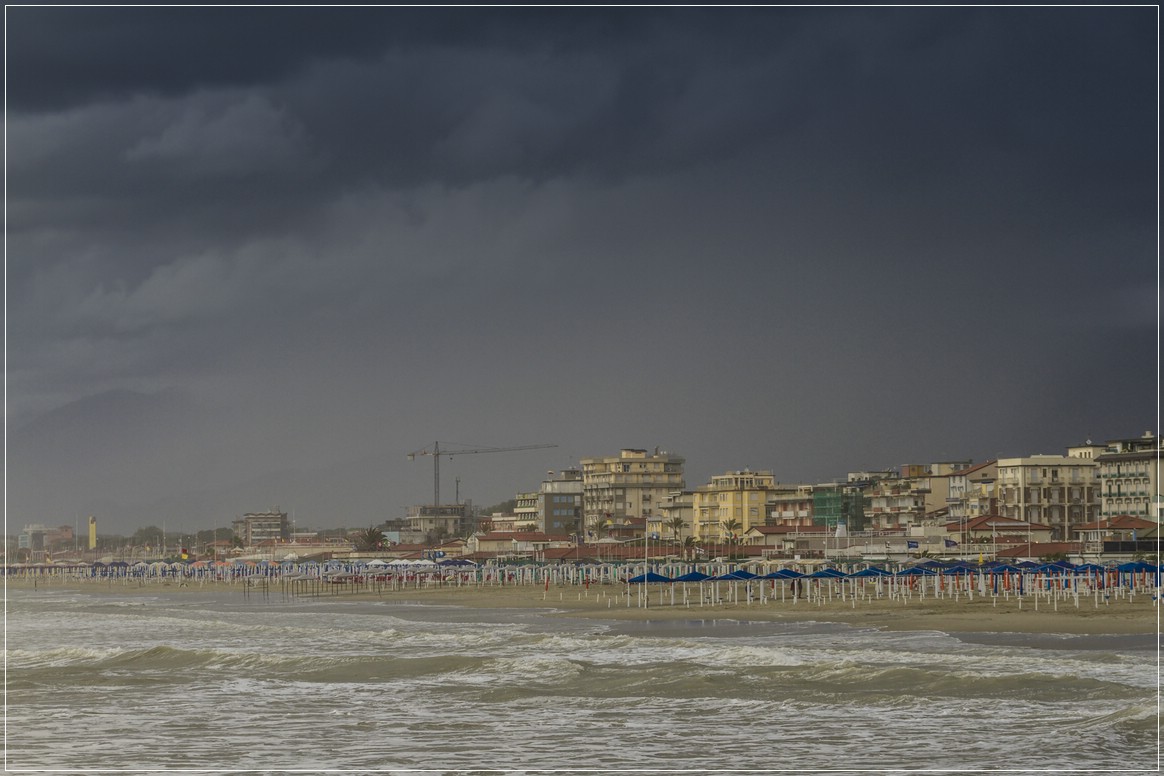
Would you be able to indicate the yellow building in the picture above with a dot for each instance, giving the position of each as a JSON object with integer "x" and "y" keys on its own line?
{"x": 634, "y": 483}
{"x": 1057, "y": 490}
{"x": 732, "y": 503}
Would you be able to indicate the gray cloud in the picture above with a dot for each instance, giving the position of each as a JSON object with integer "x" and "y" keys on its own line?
{"x": 240, "y": 138}
{"x": 808, "y": 240}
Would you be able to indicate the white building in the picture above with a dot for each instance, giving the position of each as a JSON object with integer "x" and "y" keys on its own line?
{"x": 1128, "y": 475}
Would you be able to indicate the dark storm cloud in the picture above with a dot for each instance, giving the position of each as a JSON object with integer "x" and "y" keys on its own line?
{"x": 68, "y": 56}
{"x": 321, "y": 222}
{"x": 428, "y": 95}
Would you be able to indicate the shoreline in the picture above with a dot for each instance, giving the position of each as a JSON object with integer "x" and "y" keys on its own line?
{"x": 1118, "y": 615}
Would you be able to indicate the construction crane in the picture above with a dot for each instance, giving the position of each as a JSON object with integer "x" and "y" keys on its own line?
{"x": 436, "y": 451}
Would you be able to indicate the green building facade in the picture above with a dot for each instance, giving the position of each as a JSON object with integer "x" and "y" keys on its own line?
{"x": 839, "y": 504}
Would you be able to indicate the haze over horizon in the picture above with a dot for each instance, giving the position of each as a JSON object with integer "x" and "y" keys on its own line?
{"x": 256, "y": 256}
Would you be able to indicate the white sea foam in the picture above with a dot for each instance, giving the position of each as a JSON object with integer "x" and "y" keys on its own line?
{"x": 273, "y": 688}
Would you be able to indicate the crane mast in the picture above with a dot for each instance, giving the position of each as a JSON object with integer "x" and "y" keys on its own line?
{"x": 436, "y": 451}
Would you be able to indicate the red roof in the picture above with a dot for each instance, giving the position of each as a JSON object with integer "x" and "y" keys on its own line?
{"x": 1040, "y": 549}
{"x": 974, "y": 468}
{"x": 1119, "y": 523}
{"x": 993, "y": 522}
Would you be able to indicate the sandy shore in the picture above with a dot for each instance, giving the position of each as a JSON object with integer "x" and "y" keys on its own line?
{"x": 1117, "y": 615}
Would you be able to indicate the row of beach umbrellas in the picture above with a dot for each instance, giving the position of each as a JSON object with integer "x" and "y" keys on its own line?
{"x": 1058, "y": 568}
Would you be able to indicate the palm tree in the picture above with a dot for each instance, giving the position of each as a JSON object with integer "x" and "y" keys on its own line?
{"x": 730, "y": 527}
{"x": 369, "y": 539}
{"x": 676, "y": 524}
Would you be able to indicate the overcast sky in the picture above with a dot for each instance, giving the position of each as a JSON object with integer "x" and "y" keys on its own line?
{"x": 256, "y": 256}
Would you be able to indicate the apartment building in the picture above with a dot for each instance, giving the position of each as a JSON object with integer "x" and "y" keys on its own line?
{"x": 555, "y": 507}
{"x": 971, "y": 491}
{"x": 1128, "y": 478}
{"x": 427, "y": 523}
{"x": 525, "y": 510}
{"x": 897, "y": 503}
{"x": 634, "y": 483}
{"x": 835, "y": 504}
{"x": 1057, "y": 490}
{"x": 677, "y": 505}
{"x": 736, "y": 499}
{"x": 560, "y": 503}
{"x": 256, "y": 527}
{"x": 1088, "y": 450}
{"x": 790, "y": 505}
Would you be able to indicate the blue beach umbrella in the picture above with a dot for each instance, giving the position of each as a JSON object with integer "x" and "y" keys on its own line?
{"x": 916, "y": 571}
{"x": 736, "y": 576}
{"x": 1135, "y": 565}
{"x": 650, "y": 576}
{"x": 872, "y": 571}
{"x": 783, "y": 574}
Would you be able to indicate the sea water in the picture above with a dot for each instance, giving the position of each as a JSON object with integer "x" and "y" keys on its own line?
{"x": 219, "y": 681}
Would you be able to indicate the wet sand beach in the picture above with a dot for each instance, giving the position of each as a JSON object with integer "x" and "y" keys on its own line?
{"x": 982, "y": 614}
{"x": 1089, "y": 615}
